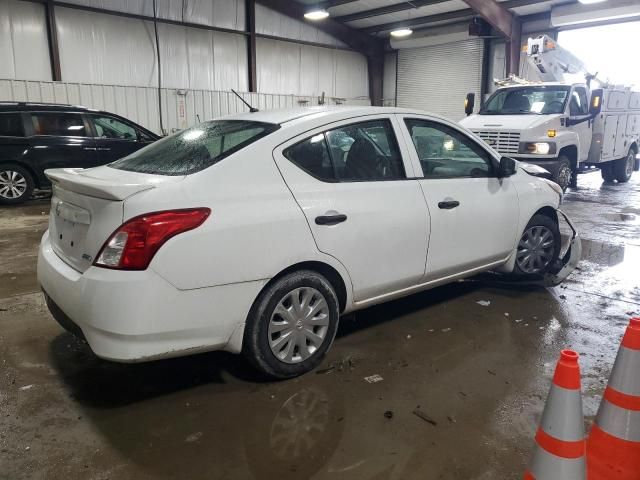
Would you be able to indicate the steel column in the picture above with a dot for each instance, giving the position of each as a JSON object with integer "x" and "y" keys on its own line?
{"x": 52, "y": 37}
{"x": 250, "y": 8}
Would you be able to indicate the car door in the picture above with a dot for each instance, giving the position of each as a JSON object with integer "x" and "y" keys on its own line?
{"x": 115, "y": 138}
{"x": 60, "y": 140}
{"x": 474, "y": 214}
{"x": 580, "y": 120}
{"x": 353, "y": 182}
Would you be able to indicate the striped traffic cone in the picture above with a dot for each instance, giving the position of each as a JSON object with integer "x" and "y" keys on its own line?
{"x": 560, "y": 441}
{"x": 613, "y": 447}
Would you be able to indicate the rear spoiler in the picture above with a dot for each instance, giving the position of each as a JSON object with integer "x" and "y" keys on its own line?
{"x": 80, "y": 181}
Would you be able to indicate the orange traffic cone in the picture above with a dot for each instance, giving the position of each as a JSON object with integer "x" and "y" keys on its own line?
{"x": 560, "y": 441}
{"x": 614, "y": 442}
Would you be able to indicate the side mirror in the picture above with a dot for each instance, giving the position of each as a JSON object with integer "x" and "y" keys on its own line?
{"x": 469, "y": 103}
{"x": 596, "y": 102}
{"x": 507, "y": 167}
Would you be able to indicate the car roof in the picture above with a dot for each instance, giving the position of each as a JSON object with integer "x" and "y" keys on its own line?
{"x": 290, "y": 114}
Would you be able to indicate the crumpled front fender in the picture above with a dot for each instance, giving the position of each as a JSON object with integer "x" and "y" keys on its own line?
{"x": 569, "y": 260}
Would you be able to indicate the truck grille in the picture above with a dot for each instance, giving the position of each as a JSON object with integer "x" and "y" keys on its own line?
{"x": 503, "y": 142}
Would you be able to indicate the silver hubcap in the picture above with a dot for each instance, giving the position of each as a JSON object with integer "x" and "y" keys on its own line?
{"x": 535, "y": 250}
{"x": 564, "y": 177}
{"x": 298, "y": 325}
{"x": 12, "y": 184}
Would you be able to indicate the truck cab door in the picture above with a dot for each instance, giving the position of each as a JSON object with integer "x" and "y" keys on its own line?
{"x": 580, "y": 122}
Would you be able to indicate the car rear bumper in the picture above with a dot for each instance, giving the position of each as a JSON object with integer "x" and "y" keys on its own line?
{"x": 137, "y": 316}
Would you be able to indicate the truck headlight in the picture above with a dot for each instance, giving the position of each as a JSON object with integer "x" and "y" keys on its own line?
{"x": 538, "y": 148}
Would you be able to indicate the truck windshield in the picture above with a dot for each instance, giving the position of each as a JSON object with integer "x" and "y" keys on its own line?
{"x": 195, "y": 148}
{"x": 530, "y": 100}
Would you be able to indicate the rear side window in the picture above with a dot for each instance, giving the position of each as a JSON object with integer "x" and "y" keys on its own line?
{"x": 196, "y": 148}
{"x": 11, "y": 125}
{"x": 361, "y": 152}
{"x": 58, "y": 124}
{"x": 109, "y": 127}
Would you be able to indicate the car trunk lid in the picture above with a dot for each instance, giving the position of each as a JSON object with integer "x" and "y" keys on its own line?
{"x": 87, "y": 207}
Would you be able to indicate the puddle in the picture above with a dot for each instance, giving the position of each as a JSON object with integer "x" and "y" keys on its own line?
{"x": 621, "y": 217}
{"x": 602, "y": 253}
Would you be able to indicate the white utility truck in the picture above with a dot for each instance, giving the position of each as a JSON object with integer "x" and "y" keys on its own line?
{"x": 566, "y": 128}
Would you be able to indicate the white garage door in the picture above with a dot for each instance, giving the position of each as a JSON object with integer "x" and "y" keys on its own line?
{"x": 437, "y": 78}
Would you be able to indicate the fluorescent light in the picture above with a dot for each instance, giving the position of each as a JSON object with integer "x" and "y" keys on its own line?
{"x": 589, "y": 2}
{"x": 316, "y": 15}
{"x": 402, "y": 32}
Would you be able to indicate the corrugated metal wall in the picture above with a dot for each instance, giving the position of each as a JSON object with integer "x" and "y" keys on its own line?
{"x": 107, "y": 51}
{"x": 140, "y": 104}
{"x": 437, "y": 78}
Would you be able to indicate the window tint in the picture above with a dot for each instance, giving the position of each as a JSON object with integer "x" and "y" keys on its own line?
{"x": 11, "y": 125}
{"x": 196, "y": 148}
{"x": 579, "y": 105}
{"x": 109, "y": 127}
{"x": 59, "y": 124}
{"x": 365, "y": 151}
{"x": 446, "y": 153}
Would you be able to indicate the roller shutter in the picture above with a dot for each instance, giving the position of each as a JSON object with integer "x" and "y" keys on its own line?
{"x": 437, "y": 78}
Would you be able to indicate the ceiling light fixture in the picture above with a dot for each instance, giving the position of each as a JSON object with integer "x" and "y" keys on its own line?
{"x": 316, "y": 15}
{"x": 401, "y": 32}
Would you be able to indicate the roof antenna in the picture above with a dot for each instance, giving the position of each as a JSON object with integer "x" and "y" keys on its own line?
{"x": 251, "y": 109}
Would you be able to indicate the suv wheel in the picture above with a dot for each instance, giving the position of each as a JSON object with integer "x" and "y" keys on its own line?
{"x": 16, "y": 184}
{"x": 539, "y": 246}
{"x": 623, "y": 168}
{"x": 292, "y": 324}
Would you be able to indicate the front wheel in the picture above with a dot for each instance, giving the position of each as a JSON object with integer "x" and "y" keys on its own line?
{"x": 539, "y": 247}
{"x": 563, "y": 175}
{"x": 623, "y": 168}
{"x": 16, "y": 184}
{"x": 292, "y": 324}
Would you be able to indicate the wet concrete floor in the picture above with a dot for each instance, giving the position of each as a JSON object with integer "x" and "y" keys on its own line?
{"x": 478, "y": 373}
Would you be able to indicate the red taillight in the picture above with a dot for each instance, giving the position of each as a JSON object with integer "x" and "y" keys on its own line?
{"x": 133, "y": 245}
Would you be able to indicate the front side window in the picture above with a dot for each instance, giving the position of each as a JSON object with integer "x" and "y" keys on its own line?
{"x": 578, "y": 104}
{"x": 540, "y": 100}
{"x": 196, "y": 148}
{"x": 365, "y": 151}
{"x": 11, "y": 125}
{"x": 58, "y": 124}
{"x": 446, "y": 153}
{"x": 109, "y": 127}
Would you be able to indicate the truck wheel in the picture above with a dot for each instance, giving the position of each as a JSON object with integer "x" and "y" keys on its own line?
{"x": 623, "y": 168}
{"x": 606, "y": 170}
{"x": 563, "y": 174}
{"x": 16, "y": 184}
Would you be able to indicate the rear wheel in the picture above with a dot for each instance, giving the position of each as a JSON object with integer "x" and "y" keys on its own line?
{"x": 292, "y": 324}
{"x": 606, "y": 170}
{"x": 539, "y": 246}
{"x": 623, "y": 168}
{"x": 16, "y": 184}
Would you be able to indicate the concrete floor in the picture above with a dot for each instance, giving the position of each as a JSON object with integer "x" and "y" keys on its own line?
{"x": 479, "y": 373}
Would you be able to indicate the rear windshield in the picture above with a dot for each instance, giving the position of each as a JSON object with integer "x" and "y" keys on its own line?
{"x": 196, "y": 148}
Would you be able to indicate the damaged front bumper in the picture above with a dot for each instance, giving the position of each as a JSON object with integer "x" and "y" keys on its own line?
{"x": 569, "y": 260}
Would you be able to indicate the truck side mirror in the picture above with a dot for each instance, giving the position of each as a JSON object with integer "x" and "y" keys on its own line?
{"x": 469, "y": 103}
{"x": 596, "y": 102}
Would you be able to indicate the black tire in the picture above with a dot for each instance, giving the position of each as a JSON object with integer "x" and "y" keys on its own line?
{"x": 550, "y": 254}
{"x": 563, "y": 173}
{"x": 608, "y": 175}
{"x": 256, "y": 344}
{"x": 623, "y": 168}
{"x": 16, "y": 184}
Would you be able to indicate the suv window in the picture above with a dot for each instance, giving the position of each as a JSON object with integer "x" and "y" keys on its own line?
{"x": 11, "y": 125}
{"x": 365, "y": 151}
{"x": 109, "y": 127}
{"x": 446, "y": 153}
{"x": 195, "y": 148}
{"x": 58, "y": 124}
{"x": 578, "y": 104}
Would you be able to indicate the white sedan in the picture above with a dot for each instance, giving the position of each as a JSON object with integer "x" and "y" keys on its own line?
{"x": 255, "y": 232}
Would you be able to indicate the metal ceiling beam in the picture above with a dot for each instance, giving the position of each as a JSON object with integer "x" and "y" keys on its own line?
{"x": 495, "y": 14}
{"x": 330, "y": 3}
{"x": 440, "y": 17}
{"x": 397, "y": 7}
{"x": 356, "y": 39}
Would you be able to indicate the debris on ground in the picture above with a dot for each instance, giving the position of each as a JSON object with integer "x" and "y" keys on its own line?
{"x": 26, "y": 387}
{"x": 506, "y": 314}
{"x": 374, "y": 378}
{"x": 339, "y": 365}
{"x": 388, "y": 414}
{"x": 408, "y": 337}
{"x": 445, "y": 330}
{"x": 484, "y": 303}
{"x": 491, "y": 372}
{"x": 194, "y": 437}
{"x": 518, "y": 320}
{"x": 563, "y": 297}
{"x": 420, "y": 414}
{"x": 451, "y": 419}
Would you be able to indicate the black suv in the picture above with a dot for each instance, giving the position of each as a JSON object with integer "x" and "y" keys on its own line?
{"x": 37, "y": 136}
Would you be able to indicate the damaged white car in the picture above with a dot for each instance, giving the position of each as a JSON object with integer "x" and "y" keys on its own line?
{"x": 255, "y": 232}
